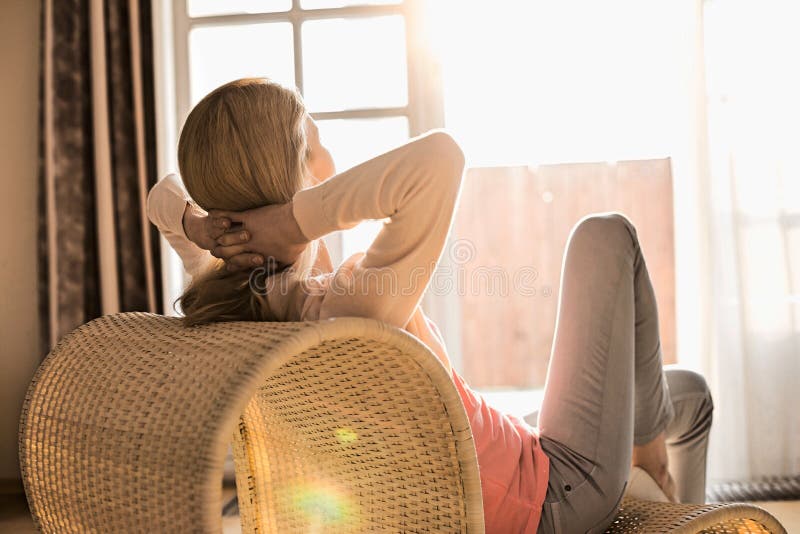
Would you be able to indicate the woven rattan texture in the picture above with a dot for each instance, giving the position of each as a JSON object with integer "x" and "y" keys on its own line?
{"x": 126, "y": 423}
{"x": 349, "y": 437}
{"x": 646, "y": 517}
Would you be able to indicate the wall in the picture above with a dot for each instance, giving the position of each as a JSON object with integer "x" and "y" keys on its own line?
{"x": 19, "y": 344}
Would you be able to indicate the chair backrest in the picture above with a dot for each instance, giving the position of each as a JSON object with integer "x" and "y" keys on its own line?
{"x": 339, "y": 425}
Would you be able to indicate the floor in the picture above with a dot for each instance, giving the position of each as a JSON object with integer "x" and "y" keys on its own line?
{"x": 14, "y": 517}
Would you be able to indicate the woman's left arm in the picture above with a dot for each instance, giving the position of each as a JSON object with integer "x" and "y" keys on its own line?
{"x": 415, "y": 187}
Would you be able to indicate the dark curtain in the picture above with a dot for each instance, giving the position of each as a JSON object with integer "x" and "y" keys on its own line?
{"x": 97, "y": 253}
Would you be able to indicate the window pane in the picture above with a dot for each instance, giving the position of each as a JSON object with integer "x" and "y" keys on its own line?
{"x": 204, "y": 8}
{"x": 544, "y": 85}
{"x": 355, "y": 63}
{"x": 321, "y": 4}
{"x": 220, "y": 54}
{"x": 352, "y": 141}
{"x": 359, "y": 238}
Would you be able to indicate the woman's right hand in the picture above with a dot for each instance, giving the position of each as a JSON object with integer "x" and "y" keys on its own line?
{"x": 268, "y": 235}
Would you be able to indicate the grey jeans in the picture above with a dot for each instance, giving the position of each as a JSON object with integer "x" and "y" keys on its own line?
{"x": 607, "y": 388}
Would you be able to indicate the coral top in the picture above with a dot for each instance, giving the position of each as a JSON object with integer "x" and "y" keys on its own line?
{"x": 415, "y": 187}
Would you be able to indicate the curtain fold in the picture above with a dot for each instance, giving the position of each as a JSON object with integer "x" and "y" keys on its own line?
{"x": 97, "y": 253}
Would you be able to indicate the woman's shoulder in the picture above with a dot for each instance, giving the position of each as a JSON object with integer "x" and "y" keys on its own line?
{"x": 293, "y": 297}
{"x": 298, "y": 296}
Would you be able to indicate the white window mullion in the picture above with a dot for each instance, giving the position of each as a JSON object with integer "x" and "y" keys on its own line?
{"x": 181, "y": 46}
{"x": 297, "y": 28}
{"x": 425, "y": 101}
{"x": 426, "y": 112}
{"x": 369, "y": 113}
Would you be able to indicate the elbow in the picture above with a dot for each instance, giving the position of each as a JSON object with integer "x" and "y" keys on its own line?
{"x": 446, "y": 151}
{"x": 165, "y": 205}
{"x": 151, "y": 203}
{"x": 155, "y": 205}
{"x": 445, "y": 158}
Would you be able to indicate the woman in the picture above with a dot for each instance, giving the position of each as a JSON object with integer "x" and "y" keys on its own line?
{"x": 250, "y": 154}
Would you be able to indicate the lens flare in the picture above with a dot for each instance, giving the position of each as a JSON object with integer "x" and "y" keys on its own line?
{"x": 324, "y": 505}
{"x": 346, "y": 436}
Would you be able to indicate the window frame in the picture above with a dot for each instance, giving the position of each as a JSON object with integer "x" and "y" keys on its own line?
{"x": 424, "y": 110}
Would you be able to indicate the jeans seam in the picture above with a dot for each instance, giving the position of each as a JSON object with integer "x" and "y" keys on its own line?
{"x": 608, "y": 350}
{"x": 555, "y": 506}
{"x": 614, "y": 509}
{"x": 574, "y": 489}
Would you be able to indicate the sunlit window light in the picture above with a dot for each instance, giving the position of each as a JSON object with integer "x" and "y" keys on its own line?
{"x": 541, "y": 82}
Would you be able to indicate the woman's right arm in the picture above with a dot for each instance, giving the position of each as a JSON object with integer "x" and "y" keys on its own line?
{"x": 415, "y": 186}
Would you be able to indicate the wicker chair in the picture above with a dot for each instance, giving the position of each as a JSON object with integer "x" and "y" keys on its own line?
{"x": 339, "y": 425}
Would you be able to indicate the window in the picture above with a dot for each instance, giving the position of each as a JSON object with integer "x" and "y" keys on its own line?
{"x": 514, "y": 81}
{"x": 363, "y": 66}
{"x": 350, "y": 59}
{"x": 537, "y": 81}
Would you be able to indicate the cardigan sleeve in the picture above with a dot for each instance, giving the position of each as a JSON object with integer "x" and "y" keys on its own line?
{"x": 166, "y": 203}
{"x": 415, "y": 187}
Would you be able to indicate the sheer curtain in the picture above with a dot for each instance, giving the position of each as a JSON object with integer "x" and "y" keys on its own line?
{"x": 753, "y": 223}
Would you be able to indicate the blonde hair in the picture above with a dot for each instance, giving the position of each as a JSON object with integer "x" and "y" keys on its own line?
{"x": 242, "y": 146}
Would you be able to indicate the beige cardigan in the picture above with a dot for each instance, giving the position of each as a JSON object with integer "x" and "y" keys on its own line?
{"x": 414, "y": 186}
